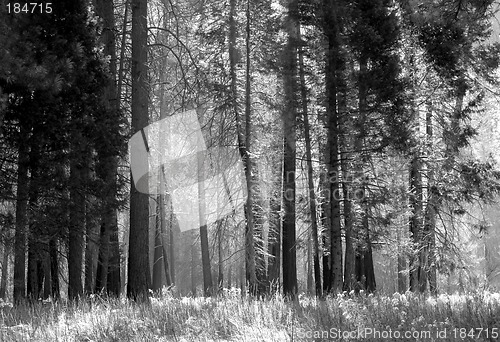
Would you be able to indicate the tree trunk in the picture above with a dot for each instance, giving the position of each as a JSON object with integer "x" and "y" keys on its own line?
{"x": 310, "y": 180}
{"x": 139, "y": 277}
{"x": 54, "y": 269}
{"x": 332, "y": 78}
{"x": 430, "y": 214}
{"x": 289, "y": 146}
{"x": 251, "y": 254}
{"x": 364, "y": 248}
{"x": 47, "y": 276}
{"x": 35, "y": 247}
{"x": 350, "y": 234}
{"x": 77, "y": 215}
{"x": 193, "y": 264}
{"x": 21, "y": 216}
{"x": 108, "y": 273}
{"x": 415, "y": 220}
{"x": 308, "y": 266}
{"x": 402, "y": 267}
{"x": 274, "y": 237}
{"x": 220, "y": 257}
{"x": 205, "y": 256}
{"x": 172, "y": 225}
{"x": 5, "y": 266}
{"x": 158, "y": 267}
{"x": 92, "y": 245}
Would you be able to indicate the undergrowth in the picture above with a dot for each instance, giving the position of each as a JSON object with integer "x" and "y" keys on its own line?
{"x": 401, "y": 317}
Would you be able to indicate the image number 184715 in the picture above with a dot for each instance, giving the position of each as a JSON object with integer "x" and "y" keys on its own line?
{"x": 32, "y": 7}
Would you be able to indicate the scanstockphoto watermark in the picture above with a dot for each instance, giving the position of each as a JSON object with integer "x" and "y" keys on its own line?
{"x": 373, "y": 334}
{"x": 174, "y": 150}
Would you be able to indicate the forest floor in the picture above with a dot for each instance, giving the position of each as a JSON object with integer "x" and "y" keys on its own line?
{"x": 401, "y": 317}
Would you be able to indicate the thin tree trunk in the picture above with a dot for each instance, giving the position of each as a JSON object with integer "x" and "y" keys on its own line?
{"x": 220, "y": 276}
{"x": 47, "y": 282}
{"x": 172, "y": 224}
{"x": 289, "y": 146}
{"x": 205, "y": 256}
{"x": 139, "y": 277}
{"x": 415, "y": 220}
{"x": 251, "y": 255}
{"x": 5, "y": 266}
{"x": 21, "y": 216}
{"x": 158, "y": 267}
{"x": 92, "y": 245}
{"x": 193, "y": 264}
{"x": 350, "y": 234}
{"x": 308, "y": 265}
{"x": 402, "y": 267}
{"x": 430, "y": 215}
{"x": 163, "y": 230}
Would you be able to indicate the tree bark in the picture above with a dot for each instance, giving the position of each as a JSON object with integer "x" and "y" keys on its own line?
{"x": 76, "y": 214}
{"x": 431, "y": 208}
{"x": 108, "y": 274}
{"x": 205, "y": 256}
{"x": 250, "y": 248}
{"x": 193, "y": 264}
{"x": 274, "y": 237}
{"x": 415, "y": 220}
{"x": 366, "y": 277}
{"x": 220, "y": 256}
{"x": 310, "y": 180}
{"x": 21, "y": 215}
{"x": 332, "y": 77}
{"x": 91, "y": 234}
{"x": 139, "y": 277}
{"x": 5, "y": 265}
{"x": 289, "y": 146}
{"x": 54, "y": 269}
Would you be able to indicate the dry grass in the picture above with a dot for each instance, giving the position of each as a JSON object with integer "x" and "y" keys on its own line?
{"x": 232, "y": 318}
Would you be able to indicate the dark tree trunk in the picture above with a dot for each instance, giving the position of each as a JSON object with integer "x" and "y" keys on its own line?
{"x": 108, "y": 273}
{"x": 77, "y": 218}
{"x": 139, "y": 277}
{"x": 47, "y": 276}
{"x": 54, "y": 268}
{"x": 332, "y": 78}
{"x": 5, "y": 265}
{"x": 193, "y": 264}
{"x": 21, "y": 216}
{"x": 289, "y": 146}
{"x": 205, "y": 256}
{"x": 91, "y": 250}
{"x": 350, "y": 233}
{"x": 415, "y": 220}
{"x": 430, "y": 213}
